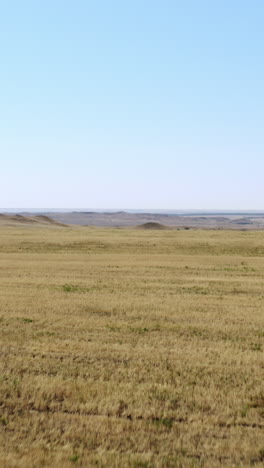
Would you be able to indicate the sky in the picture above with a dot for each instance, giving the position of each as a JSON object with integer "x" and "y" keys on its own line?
{"x": 142, "y": 104}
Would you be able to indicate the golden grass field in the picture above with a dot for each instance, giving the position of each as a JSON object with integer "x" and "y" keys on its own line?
{"x": 131, "y": 348}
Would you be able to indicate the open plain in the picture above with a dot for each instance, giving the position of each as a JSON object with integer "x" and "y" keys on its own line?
{"x": 131, "y": 348}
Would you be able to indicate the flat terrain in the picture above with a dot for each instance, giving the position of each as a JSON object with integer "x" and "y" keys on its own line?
{"x": 131, "y": 348}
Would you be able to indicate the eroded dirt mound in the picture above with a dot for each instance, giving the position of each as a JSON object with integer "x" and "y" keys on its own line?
{"x": 152, "y": 225}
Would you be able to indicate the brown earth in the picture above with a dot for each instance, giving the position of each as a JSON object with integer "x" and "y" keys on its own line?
{"x": 152, "y": 225}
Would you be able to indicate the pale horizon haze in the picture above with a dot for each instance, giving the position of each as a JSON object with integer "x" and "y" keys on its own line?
{"x": 143, "y": 104}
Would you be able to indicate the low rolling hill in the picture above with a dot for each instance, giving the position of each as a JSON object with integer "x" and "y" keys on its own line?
{"x": 19, "y": 220}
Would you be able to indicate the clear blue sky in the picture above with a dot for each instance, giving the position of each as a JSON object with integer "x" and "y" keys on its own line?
{"x": 132, "y": 104}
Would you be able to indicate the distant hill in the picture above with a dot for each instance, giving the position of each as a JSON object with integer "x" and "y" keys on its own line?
{"x": 135, "y": 220}
{"x": 19, "y": 220}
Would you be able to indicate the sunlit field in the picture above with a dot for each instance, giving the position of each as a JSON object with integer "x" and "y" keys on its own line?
{"x": 131, "y": 348}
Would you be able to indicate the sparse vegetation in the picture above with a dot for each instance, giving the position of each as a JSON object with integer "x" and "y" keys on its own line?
{"x": 131, "y": 348}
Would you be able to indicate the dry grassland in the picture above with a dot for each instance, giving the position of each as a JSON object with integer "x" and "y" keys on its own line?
{"x": 124, "y": 348}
